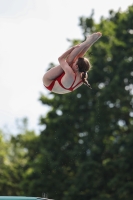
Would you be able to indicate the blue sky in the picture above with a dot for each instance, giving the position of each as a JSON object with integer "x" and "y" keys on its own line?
{"x": 34, "y": 33}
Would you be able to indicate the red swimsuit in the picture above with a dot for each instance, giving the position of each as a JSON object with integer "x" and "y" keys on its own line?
{"x": 50, "y": 87}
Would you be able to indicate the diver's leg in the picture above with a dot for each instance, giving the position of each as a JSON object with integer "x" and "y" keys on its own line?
{"x": 52, "y": 74}
{"x": 83, "y": 47}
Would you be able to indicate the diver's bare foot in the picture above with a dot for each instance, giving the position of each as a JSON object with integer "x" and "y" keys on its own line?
{"x": 91, "y": 39}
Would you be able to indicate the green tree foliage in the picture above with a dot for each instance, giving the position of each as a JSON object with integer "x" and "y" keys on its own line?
{"x": 15, "y": 155}
{"x": 8, "y": 172}
{"x": 87, "y": 145}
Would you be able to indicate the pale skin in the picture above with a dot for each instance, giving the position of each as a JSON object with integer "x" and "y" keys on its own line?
{"x": 67, "y": 64}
